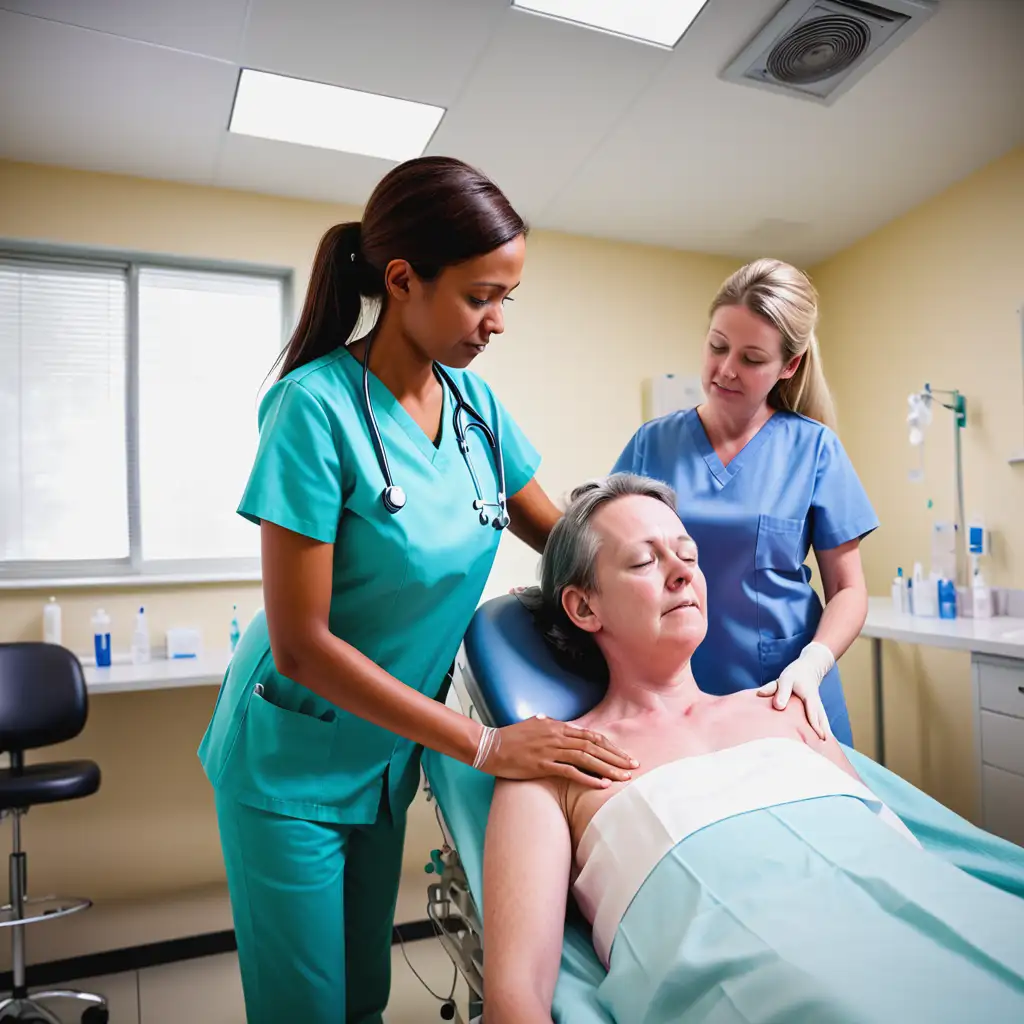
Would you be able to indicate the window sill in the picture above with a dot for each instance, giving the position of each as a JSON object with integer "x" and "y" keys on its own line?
{"x": 128, "y": 581}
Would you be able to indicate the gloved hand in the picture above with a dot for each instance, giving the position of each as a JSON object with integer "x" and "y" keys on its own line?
{"x": 803, "y": 677}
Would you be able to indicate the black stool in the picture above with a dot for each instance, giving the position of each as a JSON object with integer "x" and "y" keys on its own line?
{"x": 43, "y": 701}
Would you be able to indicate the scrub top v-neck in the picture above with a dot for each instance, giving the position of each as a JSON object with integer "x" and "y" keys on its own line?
{"x": 754, "y": 520}
{"x": 404, "y": 585}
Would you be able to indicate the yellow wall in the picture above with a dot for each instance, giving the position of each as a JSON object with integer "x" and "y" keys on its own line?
{"x": 591, "y": 321}
{"x": 934, "y": 297}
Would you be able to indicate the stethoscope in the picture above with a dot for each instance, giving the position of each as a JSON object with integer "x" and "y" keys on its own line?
{"x": 394, "y": 497}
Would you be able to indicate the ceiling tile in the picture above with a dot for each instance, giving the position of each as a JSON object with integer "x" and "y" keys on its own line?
{"x": 209, "y": 27}
{"x": 116, "y": 105}
{"x": 411, "y": 49}
{"x": 277, "y": 168}
{"x": 543, "y": 96}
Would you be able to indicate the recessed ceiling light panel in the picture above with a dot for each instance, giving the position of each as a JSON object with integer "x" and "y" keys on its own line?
{"x": 660, "y": 22}
{"x": 329, "y": 117}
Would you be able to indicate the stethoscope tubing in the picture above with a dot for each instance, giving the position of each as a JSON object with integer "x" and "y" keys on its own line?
{"x": 394, "y": 497}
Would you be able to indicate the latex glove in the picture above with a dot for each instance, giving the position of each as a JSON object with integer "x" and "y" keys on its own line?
{"x": 803, "y": 678}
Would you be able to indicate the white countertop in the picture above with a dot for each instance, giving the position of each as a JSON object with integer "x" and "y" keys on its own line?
{"x": 1000, "y": 635}
{"x": 159, "y": 674}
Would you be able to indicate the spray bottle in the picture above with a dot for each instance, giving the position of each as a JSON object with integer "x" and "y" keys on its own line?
{"x": 234, "y": 634}
{"x": 140, "y": 639}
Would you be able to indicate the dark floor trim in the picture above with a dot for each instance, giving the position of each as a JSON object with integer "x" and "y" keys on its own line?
{"x": 137, "y": 958}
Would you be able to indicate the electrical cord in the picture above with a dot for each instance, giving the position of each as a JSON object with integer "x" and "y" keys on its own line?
{"x": 445, "y": 1001}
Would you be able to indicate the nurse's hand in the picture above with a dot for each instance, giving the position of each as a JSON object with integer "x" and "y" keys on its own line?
{"x": 541, "y": 747}
{"x": 802, "y": 678}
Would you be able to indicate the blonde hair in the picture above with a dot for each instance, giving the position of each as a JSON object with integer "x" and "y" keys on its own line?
{"x": 785, "y": 297}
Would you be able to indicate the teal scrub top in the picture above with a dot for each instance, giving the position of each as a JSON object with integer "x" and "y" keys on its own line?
{"x": 404, "y": 585}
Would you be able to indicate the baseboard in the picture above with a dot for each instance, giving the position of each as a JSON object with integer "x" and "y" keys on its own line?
{"x": 155, "y": 954}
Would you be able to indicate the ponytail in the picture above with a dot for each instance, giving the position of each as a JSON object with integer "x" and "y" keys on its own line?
{"x": 333, "y": 306}
{"x": 806, "y": 392}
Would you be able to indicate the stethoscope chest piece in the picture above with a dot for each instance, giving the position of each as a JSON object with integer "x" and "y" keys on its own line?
{"x": 394, "y": 498}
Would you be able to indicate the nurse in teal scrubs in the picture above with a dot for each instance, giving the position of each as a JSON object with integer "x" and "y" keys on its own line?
{"x": 761, "y": 479}
{"x": 379, "y": 520}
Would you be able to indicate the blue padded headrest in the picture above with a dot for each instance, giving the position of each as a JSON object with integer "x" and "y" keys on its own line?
{"x": 514, "y": 673}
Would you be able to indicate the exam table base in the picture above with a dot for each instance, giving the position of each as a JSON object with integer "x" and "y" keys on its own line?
{"x": 450, "y": 906}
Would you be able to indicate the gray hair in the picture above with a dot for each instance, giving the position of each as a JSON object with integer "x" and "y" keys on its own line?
{"x": 570, "y": 560}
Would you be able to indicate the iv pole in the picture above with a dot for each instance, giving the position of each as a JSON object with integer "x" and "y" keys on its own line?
{"x": 957, "y": 404}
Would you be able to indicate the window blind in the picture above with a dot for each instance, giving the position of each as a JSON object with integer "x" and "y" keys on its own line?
{"x": 63, "y": 461}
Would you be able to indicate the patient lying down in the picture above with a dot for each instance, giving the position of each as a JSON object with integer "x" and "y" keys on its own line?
{"x": 745, "y": 873}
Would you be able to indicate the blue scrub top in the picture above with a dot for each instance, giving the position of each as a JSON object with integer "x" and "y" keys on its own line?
{"x": 403, "y": 591}
{"x": 754, "y": 521}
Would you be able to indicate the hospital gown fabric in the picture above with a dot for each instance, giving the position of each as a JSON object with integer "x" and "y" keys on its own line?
{"x": 821, "y": 913}
{"x": 963, "y": 856}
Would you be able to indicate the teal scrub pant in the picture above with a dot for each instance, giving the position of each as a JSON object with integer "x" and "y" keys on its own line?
{"x": 313, "y": 907}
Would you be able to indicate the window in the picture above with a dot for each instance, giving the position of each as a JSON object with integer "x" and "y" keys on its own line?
{"x": 128, "y": 400}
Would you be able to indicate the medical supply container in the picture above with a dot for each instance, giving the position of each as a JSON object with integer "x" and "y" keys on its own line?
{"x": 981, "y": 597}
{"x": 183, "y": 642}
{"x": 101, "y": 638}
{"x": 947, "y": 599}
{"x": 926, "y": 594}
{"x": 140, "y": 639}
{"x": 51, "y": 622}
{"x": 900, "y": 596}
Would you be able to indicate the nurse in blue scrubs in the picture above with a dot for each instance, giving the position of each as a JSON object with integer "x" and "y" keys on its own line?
{"x": 381, "y": 501}
{"x": 761, "y": 479}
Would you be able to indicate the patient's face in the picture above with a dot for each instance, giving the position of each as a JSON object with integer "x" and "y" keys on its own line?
{"x": 651, "y": 591}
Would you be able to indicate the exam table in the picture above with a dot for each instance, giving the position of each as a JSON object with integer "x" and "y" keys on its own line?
{"x": 505, "y": 673}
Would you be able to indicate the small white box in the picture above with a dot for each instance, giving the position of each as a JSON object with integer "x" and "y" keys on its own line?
{"x": 184, "y": 643}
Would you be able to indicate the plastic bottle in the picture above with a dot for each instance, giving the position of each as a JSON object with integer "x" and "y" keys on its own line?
{"x": 925, "y": 593}
{"x": 947, "y": 599}
{"x": 981, "y": 597}
{"x": 899, "y": 593}
{"x": 51, "y": 622}
{"x": 234, "y": 633}
{"x": 101, "y": 638}
{"x": 140, "y": 639}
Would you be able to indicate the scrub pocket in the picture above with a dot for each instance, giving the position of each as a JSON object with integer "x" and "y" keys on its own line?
{"x": 779, "y": 544}
{"x": 782, "y": 593}
{"x": 287, "y": 753}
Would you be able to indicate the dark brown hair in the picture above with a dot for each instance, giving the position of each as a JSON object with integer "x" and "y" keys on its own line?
{"x": 433, "y": 211}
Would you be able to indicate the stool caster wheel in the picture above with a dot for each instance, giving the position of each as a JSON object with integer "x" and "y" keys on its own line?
{"x": 96, "y": 1015}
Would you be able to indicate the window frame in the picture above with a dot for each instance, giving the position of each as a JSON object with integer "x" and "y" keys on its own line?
{"x": 133, "y": 569}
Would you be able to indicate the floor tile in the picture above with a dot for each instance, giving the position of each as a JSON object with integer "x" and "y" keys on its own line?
{"x": 410, "y": 1002}
{"x": 120, "y": 990}
{"x": 207, "y": 990}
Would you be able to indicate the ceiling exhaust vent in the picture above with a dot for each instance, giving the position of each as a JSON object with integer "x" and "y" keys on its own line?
{"x": 817, "y": 49}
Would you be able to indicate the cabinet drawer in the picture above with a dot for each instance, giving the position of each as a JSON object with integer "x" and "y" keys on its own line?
{"x": 1001, "y": 687}
{"x": 1002, "y": 741}
{"x": 1003, "y": 803}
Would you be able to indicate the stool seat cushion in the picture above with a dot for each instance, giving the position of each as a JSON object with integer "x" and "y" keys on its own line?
{"x": 48, "y": 783}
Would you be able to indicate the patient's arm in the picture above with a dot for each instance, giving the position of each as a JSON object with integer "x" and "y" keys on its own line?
{"x": 827, "y": 748}
{"x": 527, "y": 860}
